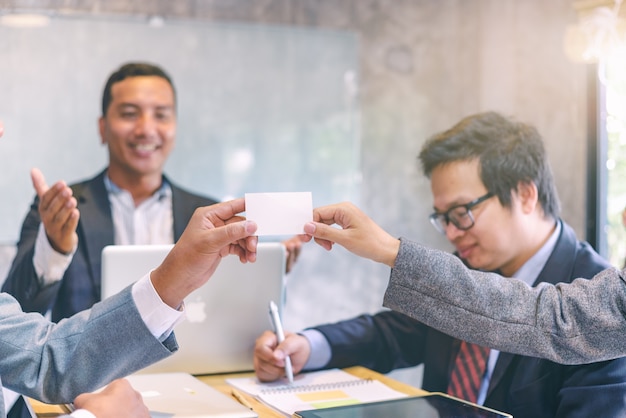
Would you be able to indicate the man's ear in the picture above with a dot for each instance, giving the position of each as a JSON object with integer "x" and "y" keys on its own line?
{"x": 101, "y": 128}
{"x": 528, "y": 196}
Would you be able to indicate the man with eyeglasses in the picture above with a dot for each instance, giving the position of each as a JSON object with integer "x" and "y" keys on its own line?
{"x": 496, "y": 202}
{"x": 459, "y": 215}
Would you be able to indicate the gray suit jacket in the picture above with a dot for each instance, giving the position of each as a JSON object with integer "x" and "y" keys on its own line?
{"x": 575, "y": 323}
{"x": 56, "y": 362}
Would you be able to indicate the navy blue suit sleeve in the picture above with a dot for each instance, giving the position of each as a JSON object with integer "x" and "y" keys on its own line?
{"x": 381, "y": 342}
{"x": 593, "y": 389}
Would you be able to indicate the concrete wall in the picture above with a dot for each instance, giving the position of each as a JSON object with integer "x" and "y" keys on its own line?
{"x": 424, "y": 64}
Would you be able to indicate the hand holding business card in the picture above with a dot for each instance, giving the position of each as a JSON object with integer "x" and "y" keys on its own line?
{"x": 279, "y": 213}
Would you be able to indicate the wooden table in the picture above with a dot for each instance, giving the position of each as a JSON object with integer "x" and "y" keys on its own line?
{"x": 218, "y": 382}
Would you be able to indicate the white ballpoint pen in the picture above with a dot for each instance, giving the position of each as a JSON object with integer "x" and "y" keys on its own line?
{"x": 280, "y": 334}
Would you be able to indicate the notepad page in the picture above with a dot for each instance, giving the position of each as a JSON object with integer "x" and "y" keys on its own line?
{"x": 316, "y": 390}
{"x": 289, "y": 402}
{"x": 254, "y": 387}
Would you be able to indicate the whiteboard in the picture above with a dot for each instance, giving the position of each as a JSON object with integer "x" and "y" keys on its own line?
{"x": 260, "y": 108}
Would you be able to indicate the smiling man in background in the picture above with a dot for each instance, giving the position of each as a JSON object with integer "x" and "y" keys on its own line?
{"x": 57, "y": 267}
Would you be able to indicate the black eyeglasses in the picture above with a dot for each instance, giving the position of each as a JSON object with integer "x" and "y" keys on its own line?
{"x": 460, "y": 215}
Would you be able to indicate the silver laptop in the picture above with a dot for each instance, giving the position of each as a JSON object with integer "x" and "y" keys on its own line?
{"x": 179, "y": 395}
{"x": 223, "y": 318}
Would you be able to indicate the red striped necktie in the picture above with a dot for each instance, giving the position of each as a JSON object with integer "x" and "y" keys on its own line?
{"x": 469, "y": 369}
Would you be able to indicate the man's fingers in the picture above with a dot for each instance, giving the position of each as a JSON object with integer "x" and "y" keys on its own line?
{"x": 71, "y": 224}
{"x": 332, "y": 214}
{"x": 265, "y": 343}
{"x": 290, "y": 345}
{"x": 39, "y": 182}
{"x": 231, "y": 233}
{"x": 1, "y": 129}
{"x": 322, "y": 231}
{"x": 226, "y": 210}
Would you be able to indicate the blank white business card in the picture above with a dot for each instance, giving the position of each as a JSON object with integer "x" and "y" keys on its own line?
{"x": 279, "y": 213}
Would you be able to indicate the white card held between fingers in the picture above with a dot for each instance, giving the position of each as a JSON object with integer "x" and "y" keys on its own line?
{"x": 279, "y": 213}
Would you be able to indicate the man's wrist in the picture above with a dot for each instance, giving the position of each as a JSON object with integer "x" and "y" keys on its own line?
{"x": 320, "y": 352}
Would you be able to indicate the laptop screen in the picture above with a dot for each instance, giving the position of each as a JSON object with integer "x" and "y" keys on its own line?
{"x": 223, "y": 318}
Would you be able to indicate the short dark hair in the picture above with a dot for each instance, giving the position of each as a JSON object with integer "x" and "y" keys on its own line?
{"x": 509, "y": 152}
{"x": 132, "y": 69}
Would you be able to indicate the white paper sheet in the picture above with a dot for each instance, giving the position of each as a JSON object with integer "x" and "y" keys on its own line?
{"x": 279, "y": 213}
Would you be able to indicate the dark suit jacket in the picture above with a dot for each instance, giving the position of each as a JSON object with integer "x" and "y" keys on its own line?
{"x": 522, "y": 386}
{"x": 79, "y": 288}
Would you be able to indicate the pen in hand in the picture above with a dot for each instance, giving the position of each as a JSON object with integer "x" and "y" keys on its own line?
{"x": 280, "y": 334}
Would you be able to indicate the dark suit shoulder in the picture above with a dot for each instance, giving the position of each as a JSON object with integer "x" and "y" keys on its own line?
{"x": 190, "y": 198}
{"x": 95, "y": 183}
{"x": 571, "y": 259}
{"x": 193, "y": 198}
{"x": 587, "y": 262}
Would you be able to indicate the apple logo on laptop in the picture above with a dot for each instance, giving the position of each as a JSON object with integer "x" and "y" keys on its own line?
{"x": 195, "y": 311}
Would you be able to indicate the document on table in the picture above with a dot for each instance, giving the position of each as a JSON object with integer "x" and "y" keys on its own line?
{"x": 316, "y": 390}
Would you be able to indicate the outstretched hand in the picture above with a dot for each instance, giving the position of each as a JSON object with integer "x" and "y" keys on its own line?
{"x": 358, "y": 233}
{"x": 212, "y": 233}
{"x": 58, "y": 211}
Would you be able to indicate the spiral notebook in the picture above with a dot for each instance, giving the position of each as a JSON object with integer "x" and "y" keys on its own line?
{"x": 316, "y": 390}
